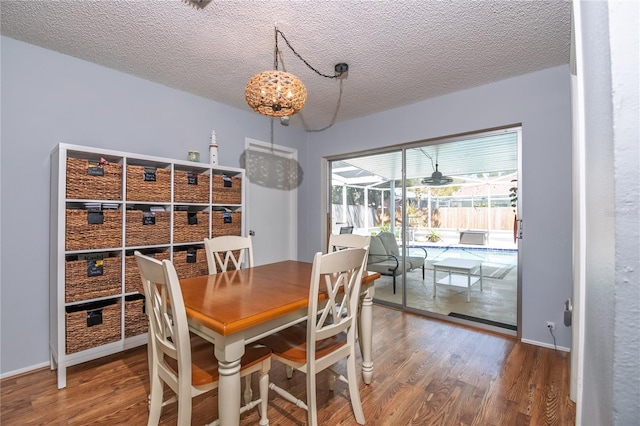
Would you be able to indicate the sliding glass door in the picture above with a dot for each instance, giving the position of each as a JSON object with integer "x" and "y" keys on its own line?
{"x": 367, "y": 199}
{"x": 441, "y": 215}
{"x": 465, "y": 219}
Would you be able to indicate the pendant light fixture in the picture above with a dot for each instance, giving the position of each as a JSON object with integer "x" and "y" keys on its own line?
{"x": 278, "y": 93}
{"x": 275, "y": 93}
{"x": 198, "y": 4}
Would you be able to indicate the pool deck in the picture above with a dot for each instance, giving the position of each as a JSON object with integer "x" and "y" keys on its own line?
{"x": 493, "y": 244}
{"x": 445, "y": 245}
{"x": 450, "y": 238}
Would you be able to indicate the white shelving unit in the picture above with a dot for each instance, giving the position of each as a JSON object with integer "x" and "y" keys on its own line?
{"x": 104, "y": 205}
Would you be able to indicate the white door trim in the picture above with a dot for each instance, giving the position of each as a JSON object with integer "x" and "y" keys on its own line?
{"x": 325, "y": 207}
{"x": 291, "y": 153}
{"x": 579, "y": 218}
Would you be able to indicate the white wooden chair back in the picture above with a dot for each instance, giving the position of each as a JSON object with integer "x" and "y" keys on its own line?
{"x": 339, "y": 275}
{"x": 342, "y": 241}
{"x": 345, "y": 241}
{"x": 228, "y": 248}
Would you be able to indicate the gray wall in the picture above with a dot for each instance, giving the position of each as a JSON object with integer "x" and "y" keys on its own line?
{"x": 541, "y": 102}
{"x": 612, "y": 296}
{"x": 48, "y": 98}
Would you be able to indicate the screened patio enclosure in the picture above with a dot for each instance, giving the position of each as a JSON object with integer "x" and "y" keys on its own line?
{"x": 368, "y": 193}
{"x": 469, "y": 212}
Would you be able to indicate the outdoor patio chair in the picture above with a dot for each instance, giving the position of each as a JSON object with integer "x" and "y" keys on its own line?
{"x": 385, "y": 257}
{"x": 346, "y": 230}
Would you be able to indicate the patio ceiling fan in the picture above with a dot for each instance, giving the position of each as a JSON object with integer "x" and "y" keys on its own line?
{"x": 437, "y": 178}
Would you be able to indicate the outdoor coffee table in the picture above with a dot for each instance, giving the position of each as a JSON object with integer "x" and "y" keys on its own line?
{"x": 457, "y": 266}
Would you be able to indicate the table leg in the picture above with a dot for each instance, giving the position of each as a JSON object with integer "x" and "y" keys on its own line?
{"x": 366, "y": 335}
{"x": 434, "y": 282}
{"x": 229, "y": 387}
{"x": 481, "y": 277}
{"x": 469, "y": 285}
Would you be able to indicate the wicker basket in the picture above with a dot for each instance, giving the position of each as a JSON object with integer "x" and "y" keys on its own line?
{"x": 81, "y": 286}
{"x": 190, "y": 187}
{"x": 139, "y": 189}
{"x": 132, "y": 280}
{"x": 135, "y": 318}
{"x": 184, "y": 268}
{"x": 147, "y": 228}
{"x": 92, "y": 324}
{"x": 183, "y": 232}
{"x": 222, "y": 193}
{"x": 82, "y": 235}
{"x": 233, "y": 225}
{"x": 85, "y": 180}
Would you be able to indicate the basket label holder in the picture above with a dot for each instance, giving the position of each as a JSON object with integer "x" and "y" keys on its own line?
{"x": 95, "y": 171}
{"x": 191, "y": 255}
{"x": 148, "y": 218}
{"x": 192, "y": 218}
{"x": 95, "y": 267}
{"x": 94, "y": 317}
{"x": 149, "y": 174}
{"x": 95, "y": 217}
{"x": 192, "y": 178}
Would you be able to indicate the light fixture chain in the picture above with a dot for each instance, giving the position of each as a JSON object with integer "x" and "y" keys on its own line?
{"x": 275, "y": 52}
{"x": 300, "y": 57}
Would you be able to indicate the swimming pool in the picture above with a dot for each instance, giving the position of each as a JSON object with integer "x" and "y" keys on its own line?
{"x": 502, "y": 256}
{"x": 496, "y": 262}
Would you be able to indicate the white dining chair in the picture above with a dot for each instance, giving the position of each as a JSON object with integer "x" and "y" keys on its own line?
{"x": 342, "y": 241}
{"x": 328, "y": 336}
{"x": 228, "y": 248}
{"x": 182, "y": 360}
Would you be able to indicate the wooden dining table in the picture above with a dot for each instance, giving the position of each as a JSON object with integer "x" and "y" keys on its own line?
{"x": 234, "y": 308}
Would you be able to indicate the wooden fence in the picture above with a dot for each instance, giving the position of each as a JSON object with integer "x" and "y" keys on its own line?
{"x": 495, "y": 218}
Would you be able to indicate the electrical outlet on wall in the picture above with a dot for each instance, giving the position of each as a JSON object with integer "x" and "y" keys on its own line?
{"x": 551, "y": 325}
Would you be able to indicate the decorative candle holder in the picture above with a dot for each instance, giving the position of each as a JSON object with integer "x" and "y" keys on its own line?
{"x": 193, "y": 156}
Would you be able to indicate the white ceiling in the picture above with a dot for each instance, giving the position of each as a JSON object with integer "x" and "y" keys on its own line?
{"x": 399, "y": 52}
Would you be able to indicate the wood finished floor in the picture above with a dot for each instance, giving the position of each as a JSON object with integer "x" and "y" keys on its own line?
{"x": 426, "y": 372}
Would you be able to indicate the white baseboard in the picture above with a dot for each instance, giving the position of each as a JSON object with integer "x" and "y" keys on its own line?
{"x": 545, "y": 345}
{"x": 24, "y": 370}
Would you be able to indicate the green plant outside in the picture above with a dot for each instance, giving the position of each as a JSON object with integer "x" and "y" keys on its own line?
{"x": 433, "y": 236}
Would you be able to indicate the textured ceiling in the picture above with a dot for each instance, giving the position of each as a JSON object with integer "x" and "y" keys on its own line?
{"x": 399, "y": 52}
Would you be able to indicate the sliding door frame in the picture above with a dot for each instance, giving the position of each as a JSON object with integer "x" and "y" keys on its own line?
{"x": 326, "y": 201}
